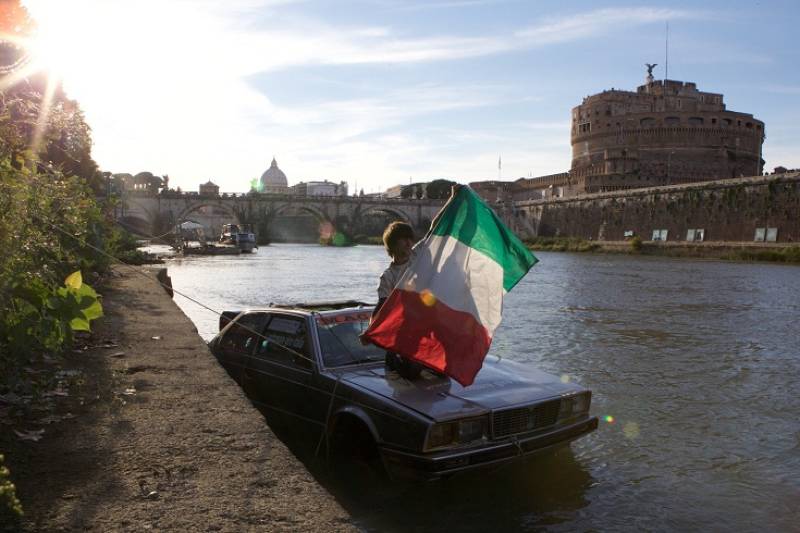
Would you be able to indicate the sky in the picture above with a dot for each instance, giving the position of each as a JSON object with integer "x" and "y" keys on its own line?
{"x": 384, "y": 92}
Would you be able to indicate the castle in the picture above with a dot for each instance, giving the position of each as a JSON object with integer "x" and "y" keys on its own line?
{"x": 665, "y": 133}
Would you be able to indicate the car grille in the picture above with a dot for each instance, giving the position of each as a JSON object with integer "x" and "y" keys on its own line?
{"x": 522, "y": 419}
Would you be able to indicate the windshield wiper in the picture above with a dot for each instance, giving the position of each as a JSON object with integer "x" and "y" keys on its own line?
{"x": 361, "y": 361}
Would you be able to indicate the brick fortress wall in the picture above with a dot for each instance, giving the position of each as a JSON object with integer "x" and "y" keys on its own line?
{"x": 728, "y": 210}
{"x": 665, "y": 133}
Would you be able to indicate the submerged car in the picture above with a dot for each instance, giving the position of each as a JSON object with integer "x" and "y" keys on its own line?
{"x": 306, "y": 362}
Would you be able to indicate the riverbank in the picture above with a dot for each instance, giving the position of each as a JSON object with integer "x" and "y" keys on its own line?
{"x": 150, "y": 433}
{"x": 734, "y": 251}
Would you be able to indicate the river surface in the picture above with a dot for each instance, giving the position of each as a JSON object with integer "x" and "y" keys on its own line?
{"x": 694, "y": 368}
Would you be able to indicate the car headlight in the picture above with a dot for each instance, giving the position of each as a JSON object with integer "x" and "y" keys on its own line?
{"x": 574, "y": 405}
{"x": 456, "y": 433}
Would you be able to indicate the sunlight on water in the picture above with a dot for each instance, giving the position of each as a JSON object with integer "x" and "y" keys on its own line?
{"x": 693, "y": 367}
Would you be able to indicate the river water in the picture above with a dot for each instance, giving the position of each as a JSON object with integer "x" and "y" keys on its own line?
{"x": 694, "y": 368}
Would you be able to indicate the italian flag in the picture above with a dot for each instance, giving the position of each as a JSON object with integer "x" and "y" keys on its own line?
{"x": 445, "y": 309}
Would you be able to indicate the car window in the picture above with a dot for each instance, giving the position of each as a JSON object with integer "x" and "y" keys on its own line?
{"x": 286, "y": 340}
{"x": 243, "y": 335}
{"x": 340, "y": 342}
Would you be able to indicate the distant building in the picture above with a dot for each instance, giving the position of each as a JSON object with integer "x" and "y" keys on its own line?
{"x": 667, "y": 132}
{"x": 492, "y": 191}
{"x": 319, "y": 188}
{"x": 273, "y": 180}
{"x": 141, "y": 182}
{"x": 209, "y": 189}
{"x": 395, "y": 191}
{"x": 551, "y": 186}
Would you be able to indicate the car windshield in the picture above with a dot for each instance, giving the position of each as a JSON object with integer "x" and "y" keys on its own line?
{"x": 338, "y": 338}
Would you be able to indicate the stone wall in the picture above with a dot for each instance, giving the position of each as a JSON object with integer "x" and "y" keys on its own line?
{"x": 727, "y": 210}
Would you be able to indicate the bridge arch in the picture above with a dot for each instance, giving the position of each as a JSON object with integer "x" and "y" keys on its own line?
{"x": 311, "y": 209}
{"x": 399, "y": 213}
{"x": 136, "y": 225}
{"x": 189, "y": 209}
{"x": 137, "y": 216}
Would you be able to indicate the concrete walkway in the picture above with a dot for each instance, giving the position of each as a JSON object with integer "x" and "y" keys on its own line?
{"x": 162, "y": 438}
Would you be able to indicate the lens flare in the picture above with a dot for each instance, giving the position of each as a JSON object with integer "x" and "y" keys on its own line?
{"x": 609, "y": 419}
{"x": 428, "y": 298}
{"x": 326, "y": 231}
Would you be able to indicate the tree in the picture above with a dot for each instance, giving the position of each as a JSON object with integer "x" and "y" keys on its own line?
{"x": 418, "y": 192}
{"x": 439, "y": 189}
{"x": 407, "y": 191}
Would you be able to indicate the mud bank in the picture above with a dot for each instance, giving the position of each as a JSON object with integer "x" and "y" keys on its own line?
{"x": 158, "y": 437}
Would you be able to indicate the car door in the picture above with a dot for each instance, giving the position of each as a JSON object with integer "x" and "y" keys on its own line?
{"x": 238, "y": 342}
{"x": 281, "y": 373}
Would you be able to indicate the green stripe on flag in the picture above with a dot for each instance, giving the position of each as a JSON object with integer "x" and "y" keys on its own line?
{"x": 468, "y": 219}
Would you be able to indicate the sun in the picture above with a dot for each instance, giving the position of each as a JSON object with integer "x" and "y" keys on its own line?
{"x": 167, "y": 77}
{"x": 79, "y": 43}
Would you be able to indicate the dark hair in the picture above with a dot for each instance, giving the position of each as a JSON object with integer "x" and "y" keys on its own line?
{"x": 394, "y": 232}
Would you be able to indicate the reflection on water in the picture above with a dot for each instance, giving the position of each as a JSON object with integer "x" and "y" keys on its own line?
{"x": 542, "y": 490}
{"x": 545, "y": 490}
{"x": 696, "y": 361}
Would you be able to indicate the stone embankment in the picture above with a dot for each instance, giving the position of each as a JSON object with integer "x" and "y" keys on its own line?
{"x": 160, "y": 438}
{"x": 742, "y": 210}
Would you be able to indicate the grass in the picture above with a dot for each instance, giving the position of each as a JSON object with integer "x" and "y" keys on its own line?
{"x": 562, "y": 244}
{"x": 785, "y": 255}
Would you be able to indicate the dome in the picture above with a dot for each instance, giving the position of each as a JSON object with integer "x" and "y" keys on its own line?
{"x": 274, "y": 176}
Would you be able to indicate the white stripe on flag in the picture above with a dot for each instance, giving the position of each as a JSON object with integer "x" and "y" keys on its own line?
{"x": 460, "y": 277}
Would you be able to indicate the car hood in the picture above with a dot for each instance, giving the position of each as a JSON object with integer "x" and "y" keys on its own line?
{"x": 500, "y": 384}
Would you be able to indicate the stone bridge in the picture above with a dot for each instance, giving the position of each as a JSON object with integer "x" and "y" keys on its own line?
{"x": 150, "y": 214}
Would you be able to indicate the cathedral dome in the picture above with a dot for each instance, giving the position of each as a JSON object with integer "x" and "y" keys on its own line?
{"x": 273, "y": 177}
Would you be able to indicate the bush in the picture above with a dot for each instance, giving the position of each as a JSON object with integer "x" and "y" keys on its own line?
{"x": 636, "y": 244}
{"x": 10, "y": 506}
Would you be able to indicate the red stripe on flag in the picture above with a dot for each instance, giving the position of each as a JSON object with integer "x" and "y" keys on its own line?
{"x": 439, "y": 337}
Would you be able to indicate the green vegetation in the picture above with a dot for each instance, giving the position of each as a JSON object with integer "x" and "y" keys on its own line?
{"x": 367, "y": 239}
{"x": 52, "y": 233}
{"x": 636, "y": 244}
{"x": 10, "y": 507}
{"x": 562, "y": 244}
{"x": 784, "y": 255}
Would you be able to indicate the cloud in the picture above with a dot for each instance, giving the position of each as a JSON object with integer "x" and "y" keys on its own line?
{"x": 309, "y": 43}
{"x": 182, "y": 102}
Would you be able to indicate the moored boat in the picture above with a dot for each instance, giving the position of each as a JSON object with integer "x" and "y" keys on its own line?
{"x": 239, "y": 235}
{"x": 210, "y": 249}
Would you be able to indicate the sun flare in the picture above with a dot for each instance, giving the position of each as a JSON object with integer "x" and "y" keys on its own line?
{"x": 91, "y": 45}
{"x": 141, "y": 71}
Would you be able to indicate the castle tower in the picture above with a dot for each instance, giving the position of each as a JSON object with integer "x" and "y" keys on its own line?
{"x": 667, "y": 132}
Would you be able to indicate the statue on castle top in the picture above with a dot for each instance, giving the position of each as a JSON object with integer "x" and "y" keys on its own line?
{"x": 650, "y": 67}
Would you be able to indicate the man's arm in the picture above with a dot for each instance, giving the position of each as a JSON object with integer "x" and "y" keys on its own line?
{"x": 378, "y": 306}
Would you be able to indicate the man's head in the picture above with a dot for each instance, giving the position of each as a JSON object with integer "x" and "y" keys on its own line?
{"x": 398, "y": 238}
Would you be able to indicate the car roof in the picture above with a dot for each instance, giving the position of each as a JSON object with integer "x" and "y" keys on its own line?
{"x": 324, "y": 308}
